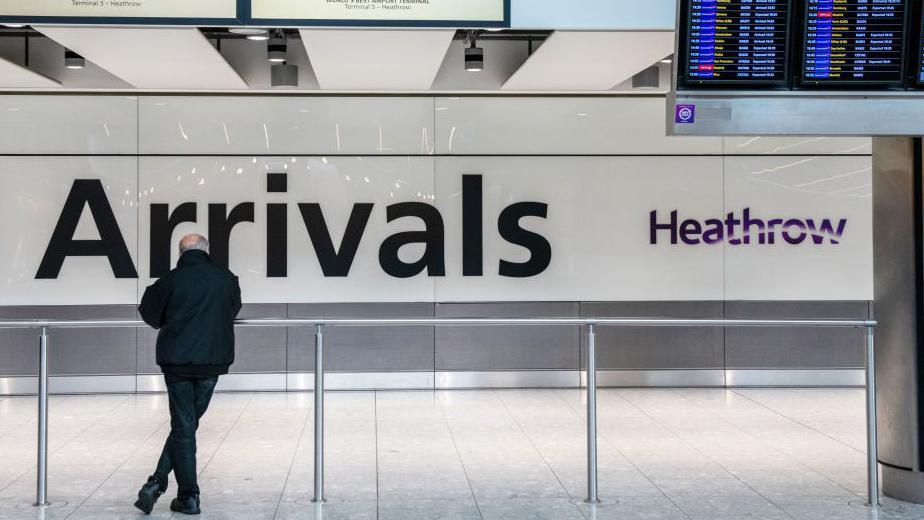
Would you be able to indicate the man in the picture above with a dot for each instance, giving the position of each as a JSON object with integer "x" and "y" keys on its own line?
{"x": 194, "y": 307}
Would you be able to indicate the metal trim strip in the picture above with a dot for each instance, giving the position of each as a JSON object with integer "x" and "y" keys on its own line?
{"x": 447, "y": 380}
{"x": 658, "y": 378}
{"x": 801, "y": 377}
{"x": 400, "y": 322}
{"x": 28, "y": 385}
{"x": 226, "y": 383}
{"x": 304, "y": 381}
{"x": 507, "y": 379}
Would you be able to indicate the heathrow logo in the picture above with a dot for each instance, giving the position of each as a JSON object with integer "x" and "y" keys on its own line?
{"x": 746, "y": 230}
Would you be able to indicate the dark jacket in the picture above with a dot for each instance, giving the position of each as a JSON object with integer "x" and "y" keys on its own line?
{"x": 194, "y": 307}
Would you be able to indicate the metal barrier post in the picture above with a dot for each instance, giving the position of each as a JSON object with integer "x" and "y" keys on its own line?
{"x": 872, "y": 446}
{"x": 318, "y": 417}
{"x": 41, "y": 470}
{"x": 591, "y": 415}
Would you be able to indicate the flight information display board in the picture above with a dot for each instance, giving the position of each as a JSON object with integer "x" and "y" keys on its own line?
{"x": 857, "y": 42}
{"x": 920, "y": 67}
{"x": 735, "y": 42}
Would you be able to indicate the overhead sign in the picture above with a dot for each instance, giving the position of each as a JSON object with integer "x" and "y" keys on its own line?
{"x": 788, "y": 45}
{"x": 484, "y": 13}
{"x": 396, "y": 13}
{"x": 735, "y": 42}
{"x": 854, "y": 42}
{"x": 173, "y": 12}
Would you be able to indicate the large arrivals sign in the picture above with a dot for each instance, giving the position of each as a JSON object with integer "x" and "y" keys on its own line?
{"x": 119, "y": 11}
{"x": 78, "y": 230}
{"x": 336, "y": 260}
{"x": 424, "y": 12}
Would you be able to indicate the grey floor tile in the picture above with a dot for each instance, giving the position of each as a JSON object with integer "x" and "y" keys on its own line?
{"x": 663, "y": 454}
{"x": 36, "y": 513}
{"x": 719, "y": 487}
{"x": 225, "y": 511}
{"x": 434, "y": 509}
{"x": 122, "y": 512}
{"x": 530, "y": 509}
{"x": 900, "y": 510}
{"x": 333, "y": 510}
{"x": 492, "y": 488}
{"x": 721, "y": 508}
{"x": 633, "y": 508}
{"x": 828, "y": 508}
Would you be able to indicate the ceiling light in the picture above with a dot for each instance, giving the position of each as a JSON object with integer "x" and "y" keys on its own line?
{"x": 283, "y": 75}
{"x": 246, "y": 30}
{"x": 72, "y": 60}
{"x": 252, "y": 33}
{"x": 14, "y": 25}
{"x": 277, "y": 47}
{"x": 474, "y": 55}
{"x": 474, "y": 59}
{"x": 666, "y": 61}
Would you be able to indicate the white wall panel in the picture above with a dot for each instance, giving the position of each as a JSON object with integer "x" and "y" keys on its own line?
{"x": 802, "y": 188}
{"x": 68, "y": 125}
{"x": 286, "y": 125}
{"x": 219, "y": 150}
{"x": 335, "y": 183}
{"x": 798, "y": 145}
{"x": 574, "y": 126}
{"x": 597, "y": 224}
{"x": 33, "y": 195}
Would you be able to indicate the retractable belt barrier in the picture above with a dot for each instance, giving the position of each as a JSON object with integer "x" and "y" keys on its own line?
{"x": 590, "y": 324}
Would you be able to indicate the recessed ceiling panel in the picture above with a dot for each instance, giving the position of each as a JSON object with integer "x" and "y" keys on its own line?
{"x": 376, "y": 59}
{"x": 590, "y": 60}
{"x": 151, "y": 58}
{"x": 15, "y": 76}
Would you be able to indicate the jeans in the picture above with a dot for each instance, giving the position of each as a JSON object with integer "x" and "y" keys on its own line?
{"x": 189, "y": 398}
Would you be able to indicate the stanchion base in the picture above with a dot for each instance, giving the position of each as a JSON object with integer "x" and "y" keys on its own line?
{"x": 316, "y": 501}
{"x": 589, "y": 501}
{"x": 36, "y": 504}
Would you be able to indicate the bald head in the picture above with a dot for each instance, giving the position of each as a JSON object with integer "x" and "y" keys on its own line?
{"x": 194, "y": 243}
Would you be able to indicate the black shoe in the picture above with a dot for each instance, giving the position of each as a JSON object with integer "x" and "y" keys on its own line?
{"x": 186, "y": 505}
{"x": 149, "y": 494}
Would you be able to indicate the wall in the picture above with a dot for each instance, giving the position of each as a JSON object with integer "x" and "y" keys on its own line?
{"x": 600, "y": 164}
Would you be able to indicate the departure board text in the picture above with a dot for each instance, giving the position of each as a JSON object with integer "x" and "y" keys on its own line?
{"x": 854, "y": 41}
{"x": 921, "y": 54}
{"x": 736, "y": 41}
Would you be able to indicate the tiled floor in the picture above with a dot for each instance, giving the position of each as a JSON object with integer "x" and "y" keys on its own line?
{"x": 509, "y": 454}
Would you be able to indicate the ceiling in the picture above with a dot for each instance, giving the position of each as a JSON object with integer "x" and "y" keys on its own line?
{"x": 151, "y": 58}
{"x": 577, "y": 60}
{"x": 331, "y": 60}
